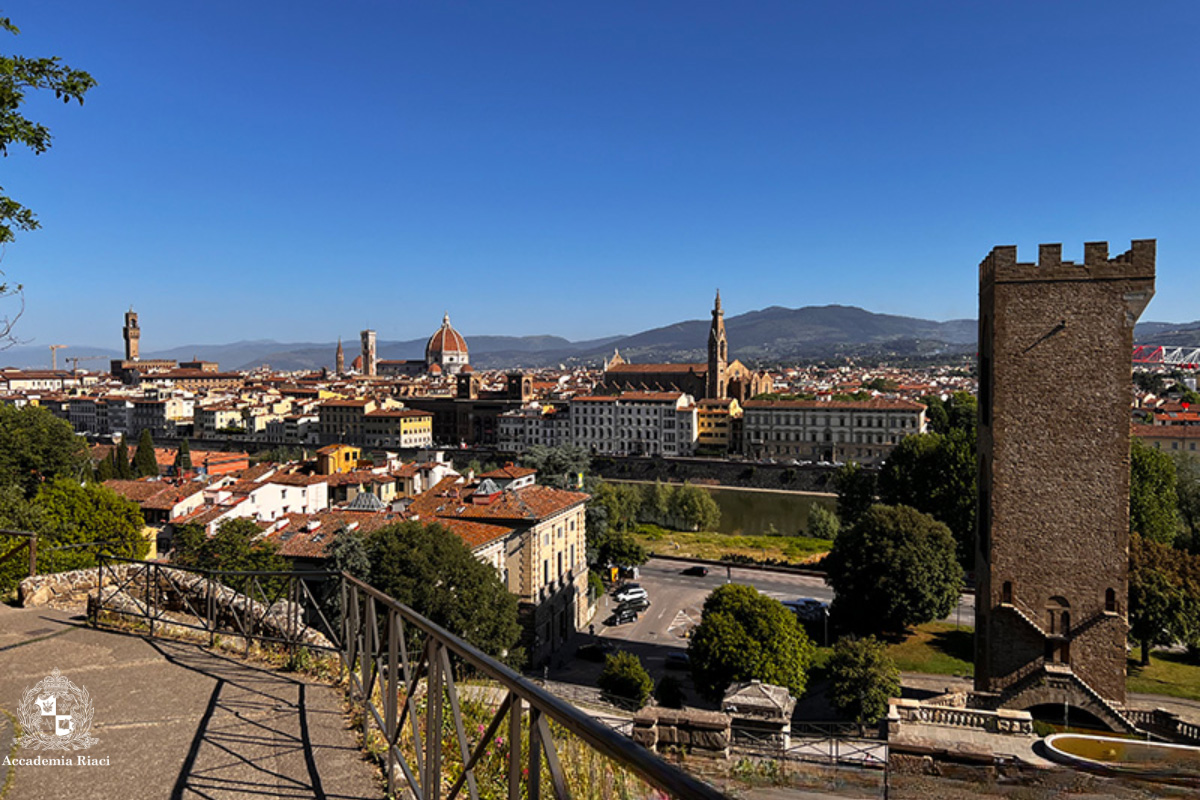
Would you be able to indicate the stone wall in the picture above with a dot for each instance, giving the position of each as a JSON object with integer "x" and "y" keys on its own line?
{"x": 66, "y": 588}
{"x": 697, "y": 732}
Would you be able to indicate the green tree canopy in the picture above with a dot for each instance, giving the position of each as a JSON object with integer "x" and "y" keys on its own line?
{"x": 1187, "y": 494}
{"x": 693, "y": 509}
{"x": 855, "y": 488}
{"x": 124, "y": 467}
{"x": 1153, "y": 503}
{"x": 936, "y": 474}
{"x": 622, "y": 504}
{"x": 862, "y": 676}
{"x": 823, "y": 523}
{"x": 896, "y": 567}
{"x": 558, "y": 466}
{"x": 36, "y": 446}
{"x": 183, "y": 458}
{"x": 237, "y": 546}
{"x": 75, "y": 523}
{"x": 1157, "y": 594}
{"x": 428, "y": 568}
{"x": 625, "y": 679}
{"x": 144, "y": 462}
{"x": 744, "y": 635}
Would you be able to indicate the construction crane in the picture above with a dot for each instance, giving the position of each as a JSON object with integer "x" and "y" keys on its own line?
{"x": 54, "y": 348}
{"x": 74, "y": 361}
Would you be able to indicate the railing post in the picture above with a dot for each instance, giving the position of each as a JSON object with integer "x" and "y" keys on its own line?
{"x": 535, "y": 755}
{"x": 433, "y": 722}
{"x": 33, "y": 555}
{"x": 211, "y": 612}
{"x": 366, "y": 656}
{"x": 514, "y": 748}
{"x": 390, "y": 688}
{"x": 151, "y": 580}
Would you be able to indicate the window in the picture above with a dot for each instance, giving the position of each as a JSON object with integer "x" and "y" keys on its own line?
{"x": 545, "y": 571}
{"x": 1006, "y": 593}
{"x": 1110, "y": 601}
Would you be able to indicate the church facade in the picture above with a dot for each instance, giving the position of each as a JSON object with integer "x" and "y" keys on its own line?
{"x": 716, "y": 379}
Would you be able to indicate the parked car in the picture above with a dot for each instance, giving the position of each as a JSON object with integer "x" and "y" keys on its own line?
{"x": 621, "y": 617}
{"x": 638, "y": 604}
{"x": 595, "y": 651}
{"x": 807, "y": 608}
{"x": 699, "y": 571}
{"x": 629, "y": 591}
{"x": 678, "y": 659}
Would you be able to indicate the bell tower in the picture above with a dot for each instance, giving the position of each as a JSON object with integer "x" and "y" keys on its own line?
{"x": 133, "y": 335}
{"x": 718, "y": 354}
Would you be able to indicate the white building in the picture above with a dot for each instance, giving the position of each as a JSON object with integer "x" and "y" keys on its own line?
{"x": 635, "y": 423}
{"x": 862, "y": 431}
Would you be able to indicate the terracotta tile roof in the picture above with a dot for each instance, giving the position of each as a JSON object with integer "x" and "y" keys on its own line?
{"x": 157, "y": 495}
{"x": 449, "y": 499}
{"x": 639, "y": 369}
{"x": 1166, "y": 431}
{"x": 509, "y": 471}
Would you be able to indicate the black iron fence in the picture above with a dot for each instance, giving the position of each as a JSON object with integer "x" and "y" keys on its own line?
{"x": 444, "y": 717}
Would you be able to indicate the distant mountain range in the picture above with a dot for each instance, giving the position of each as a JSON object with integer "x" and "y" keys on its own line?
{"x": 767, "y": 336}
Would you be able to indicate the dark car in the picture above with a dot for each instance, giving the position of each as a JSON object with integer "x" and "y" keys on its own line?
{"x": 595, "y": 651}
{"x": 678, "y": 659}
{"x": 622, "y": 617}
{"x": 637, "y": 604}
{"x": 699, "y": 571}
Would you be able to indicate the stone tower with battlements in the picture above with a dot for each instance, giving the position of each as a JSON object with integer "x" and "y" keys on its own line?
{"x": 133, "y": 335}
{"x": 339, "y": 359}
{"x": 369, "y": 359}
{"x": 1053, "y": 521}
{"x": 718, "y": 354}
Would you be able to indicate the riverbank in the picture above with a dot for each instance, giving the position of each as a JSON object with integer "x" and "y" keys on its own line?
{"x": 715, "y": 546}
{"x": 716, "y": 472}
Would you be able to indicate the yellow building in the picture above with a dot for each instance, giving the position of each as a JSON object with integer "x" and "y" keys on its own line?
{"x": 715, "y": 424}
{"x": 398, "y": 428}
{"x": 337, "y": 459}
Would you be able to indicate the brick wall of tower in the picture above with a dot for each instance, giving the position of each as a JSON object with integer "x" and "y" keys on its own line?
{"x": 1055, "y": 392}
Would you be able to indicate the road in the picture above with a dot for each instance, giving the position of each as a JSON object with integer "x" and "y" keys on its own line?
{"x": 677, "y": 598}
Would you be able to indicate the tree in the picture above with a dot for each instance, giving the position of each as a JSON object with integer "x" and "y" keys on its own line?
{"x": 862, "y": 676}
{"x": 936, "y": 473}
{"x": 625, "y": 679}
{"x": 823, "y": 523}
{"x": 744, "y": 635}
{"x": 36, "y": 446}
{"x": 692, "y": 508}
{"x": 1156, "y": 596}
{"x": 124, "y": 468}
{"x": 1150, "y": 382}
{"x": 80, "y": 522}
{"x": 1187, "y": 494}
{"x": 428, "y": 568}
{"x": 18, "y": 76}
{"x": 619, "y": 547}
{"x": 144, "y": 462}
{"x": 855, "y": 488}
{"x": 1153, "y": 502}
{"x": 237, "y": 546}
{"x": 896, "y": 567}
{"x": 183, "y": 458}
{"x": 621, "y": 502}
{"x": 107, "y": 469}
{"x": 560, "y": 466}
{"x": 656, "y": 503}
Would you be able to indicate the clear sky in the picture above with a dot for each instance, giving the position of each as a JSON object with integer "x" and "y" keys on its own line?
{"x": 299, "y": 171}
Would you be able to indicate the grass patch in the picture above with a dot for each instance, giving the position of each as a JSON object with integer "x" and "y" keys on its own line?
{"x": 714, "y": 546}
{"x": 937, "y": 648}
{"x": 1170, "y": 674}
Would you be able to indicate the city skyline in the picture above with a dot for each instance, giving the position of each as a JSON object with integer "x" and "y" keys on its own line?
{"x": 235, "y": 165}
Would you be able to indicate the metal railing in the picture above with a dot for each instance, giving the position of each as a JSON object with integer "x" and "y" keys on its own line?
{"x": 30, "y": 544}
{"x": 403, "y": 671}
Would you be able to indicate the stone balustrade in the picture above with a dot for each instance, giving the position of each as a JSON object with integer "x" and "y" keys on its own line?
{"x": 67, "y": 587}
{"x": 1003, "y": 721}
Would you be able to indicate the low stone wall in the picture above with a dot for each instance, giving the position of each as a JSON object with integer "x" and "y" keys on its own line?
{"x": 67, "y": 587}
{"x": 1165, "y": 723}
{"x": 914, "y": 712}
{"x": 699, "y": 732}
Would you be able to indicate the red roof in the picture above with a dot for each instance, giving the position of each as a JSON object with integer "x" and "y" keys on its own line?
{"x": 445, "y": 340}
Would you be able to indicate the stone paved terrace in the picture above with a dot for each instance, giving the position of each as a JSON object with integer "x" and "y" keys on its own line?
{"x": 175, "y": 720}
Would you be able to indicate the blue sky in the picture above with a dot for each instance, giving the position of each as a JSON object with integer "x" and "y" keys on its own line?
{"x": 299, "y": 171}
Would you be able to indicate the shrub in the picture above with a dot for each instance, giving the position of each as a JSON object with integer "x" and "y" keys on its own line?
{"x": 625, "y": 679}
{"x": 670, "y": 692}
